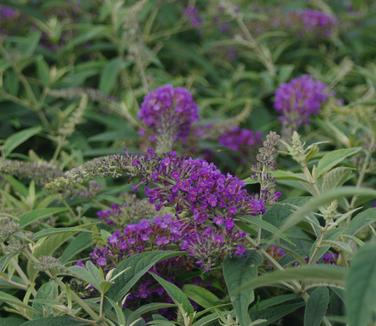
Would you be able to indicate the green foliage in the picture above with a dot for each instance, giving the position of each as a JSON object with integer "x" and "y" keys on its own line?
{"x": 237, "y": 272}
{"x": 316, "y": 307}
{"x": 360, "y": 292}
{"x": 73, "y": 76}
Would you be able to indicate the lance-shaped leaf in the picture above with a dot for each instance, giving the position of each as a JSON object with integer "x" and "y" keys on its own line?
{"x": 237, "y": 272}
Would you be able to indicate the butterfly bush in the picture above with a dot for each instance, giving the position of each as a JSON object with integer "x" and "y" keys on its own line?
{"x": 192, "y": 14}
{"x": 311, "y": 22}
{"x": 130, "y": 210}
{"x": 200, "y": 188}
{"x": 205, "y": 244}
{"x": 240, "y": 139}
{"x": 205, "y": 203}
{"x": 7, "y": 12}
{"x": 299, "y": 99}
{"x": 168, "y": 114}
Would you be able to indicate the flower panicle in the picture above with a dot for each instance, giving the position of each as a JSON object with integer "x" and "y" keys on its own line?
{"x": 40, "y": 172}
{"x": 168, "y": 114}
{"x": 300, "y": 99}
{"x": 266, "y": 162}
{"x": 107, "y": 166}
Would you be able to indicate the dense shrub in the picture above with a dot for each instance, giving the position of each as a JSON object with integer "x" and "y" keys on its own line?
{"x": 187, "y": 162}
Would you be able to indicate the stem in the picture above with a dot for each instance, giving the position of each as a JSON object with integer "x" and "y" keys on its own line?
{"x": 13, "y": 283}
{"x": 254, "y": 45}
{"x": 317, "y": 246}
{"x": 101, "y": 306}
{"x": 362, "y": 175}
{"x": 295, "y": 286}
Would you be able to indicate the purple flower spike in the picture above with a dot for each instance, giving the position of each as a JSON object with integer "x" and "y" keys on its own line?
{"x": 171, "y": 110}
{"x": 240, "y": 140}
{"x": 330, "y": 258}
{"x": 192, "y": 14}
{"x": 7, "y": 12}
{"x": 316, "y": 22}
{"x": 299, "y": 99}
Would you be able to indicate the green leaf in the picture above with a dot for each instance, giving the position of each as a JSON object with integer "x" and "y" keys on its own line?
{"x": 287, "y": 175}
{"x": 327, "y": 274}
{"x": 54, "y": 321}
{"x": 11, "y": 321}
{"x": 27, "y": 45}
{"x": 207, "y": 320}
{"x": 43, "y": 71}
{"x": 335, "y": 178}
{"x": 273, "y": 301}
{"x": 177, "y": 295}
{"x": 258, "y": 221}
{"x": 275, "y": 314}
{"x": 90, "y": 274}
{"x": 119, "y": 313}
{"x": 361, "y": 221}
{"x": 109, "y": 75}
{"x": 360, "y": 293}
{"x": 17, "y": 185}
{"x": 13, "y": 301}
{"x": 77, "y": 245}
{"x": 48, "y": 245}
{"x": 146, "y": 309}
{"x": 52, "y": 231}
{"x": 200, "y": 295}
{"x": 18, "y": 138}
{"x": 237, "y": 271}
{"x": 89, "y": 33}
{"x": 316, "y": 307}
{"x": 48, "y": 291}
{"x": 331, "y": 159}
{"x": 133, "y": 268}
{"x": 39, "y": 214}
{"x": 318, "y": 201}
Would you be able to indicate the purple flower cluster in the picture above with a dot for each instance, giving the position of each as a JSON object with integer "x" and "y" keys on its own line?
{"x": 169, "y": 109}
{"x": 299, "y": 99}
{"x": 205, "y": 203}
{"x": 330, "y": 258}
{"x": 206, "y": 245}
{"x": 193, "y": 16}
{"x": 316, "y": 22}
{"x": 198, "y": 189}
{"x": 107, "y": 215}
{"x": 240, "y": 139}
{"x": 276, "y": 252}
{"x": 157, "y": 233}
{"x": 146, "y": 290}
{"x": 7, "y": 12}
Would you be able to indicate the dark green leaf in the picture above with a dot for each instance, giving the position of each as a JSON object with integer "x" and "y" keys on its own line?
{"x": 238, "y": 271}
{"x": 177, "y": 295}
{"x": 38, "y": 214}
{"x": 200, "y": 295}
{"x": 54, "y": 321}
{"x": 18, "y": 138}
{"x": 133, "y": 268}
{"x": 316, "y": 307}
{"x": 360, "y": 294}
{"x": 331, "y": 159}
{"x": 327, "y": 274}
{"x": 109, "y": 75}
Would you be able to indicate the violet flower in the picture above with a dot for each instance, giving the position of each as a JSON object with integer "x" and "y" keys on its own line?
{"x": 240, "y": 140}
{"x": 193, "y": 16}
{"x": 315, "y": 22}
{"x": 299, "y": 99}
{"x": 168, "y": 113}
{"x": 8, "y": 12}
